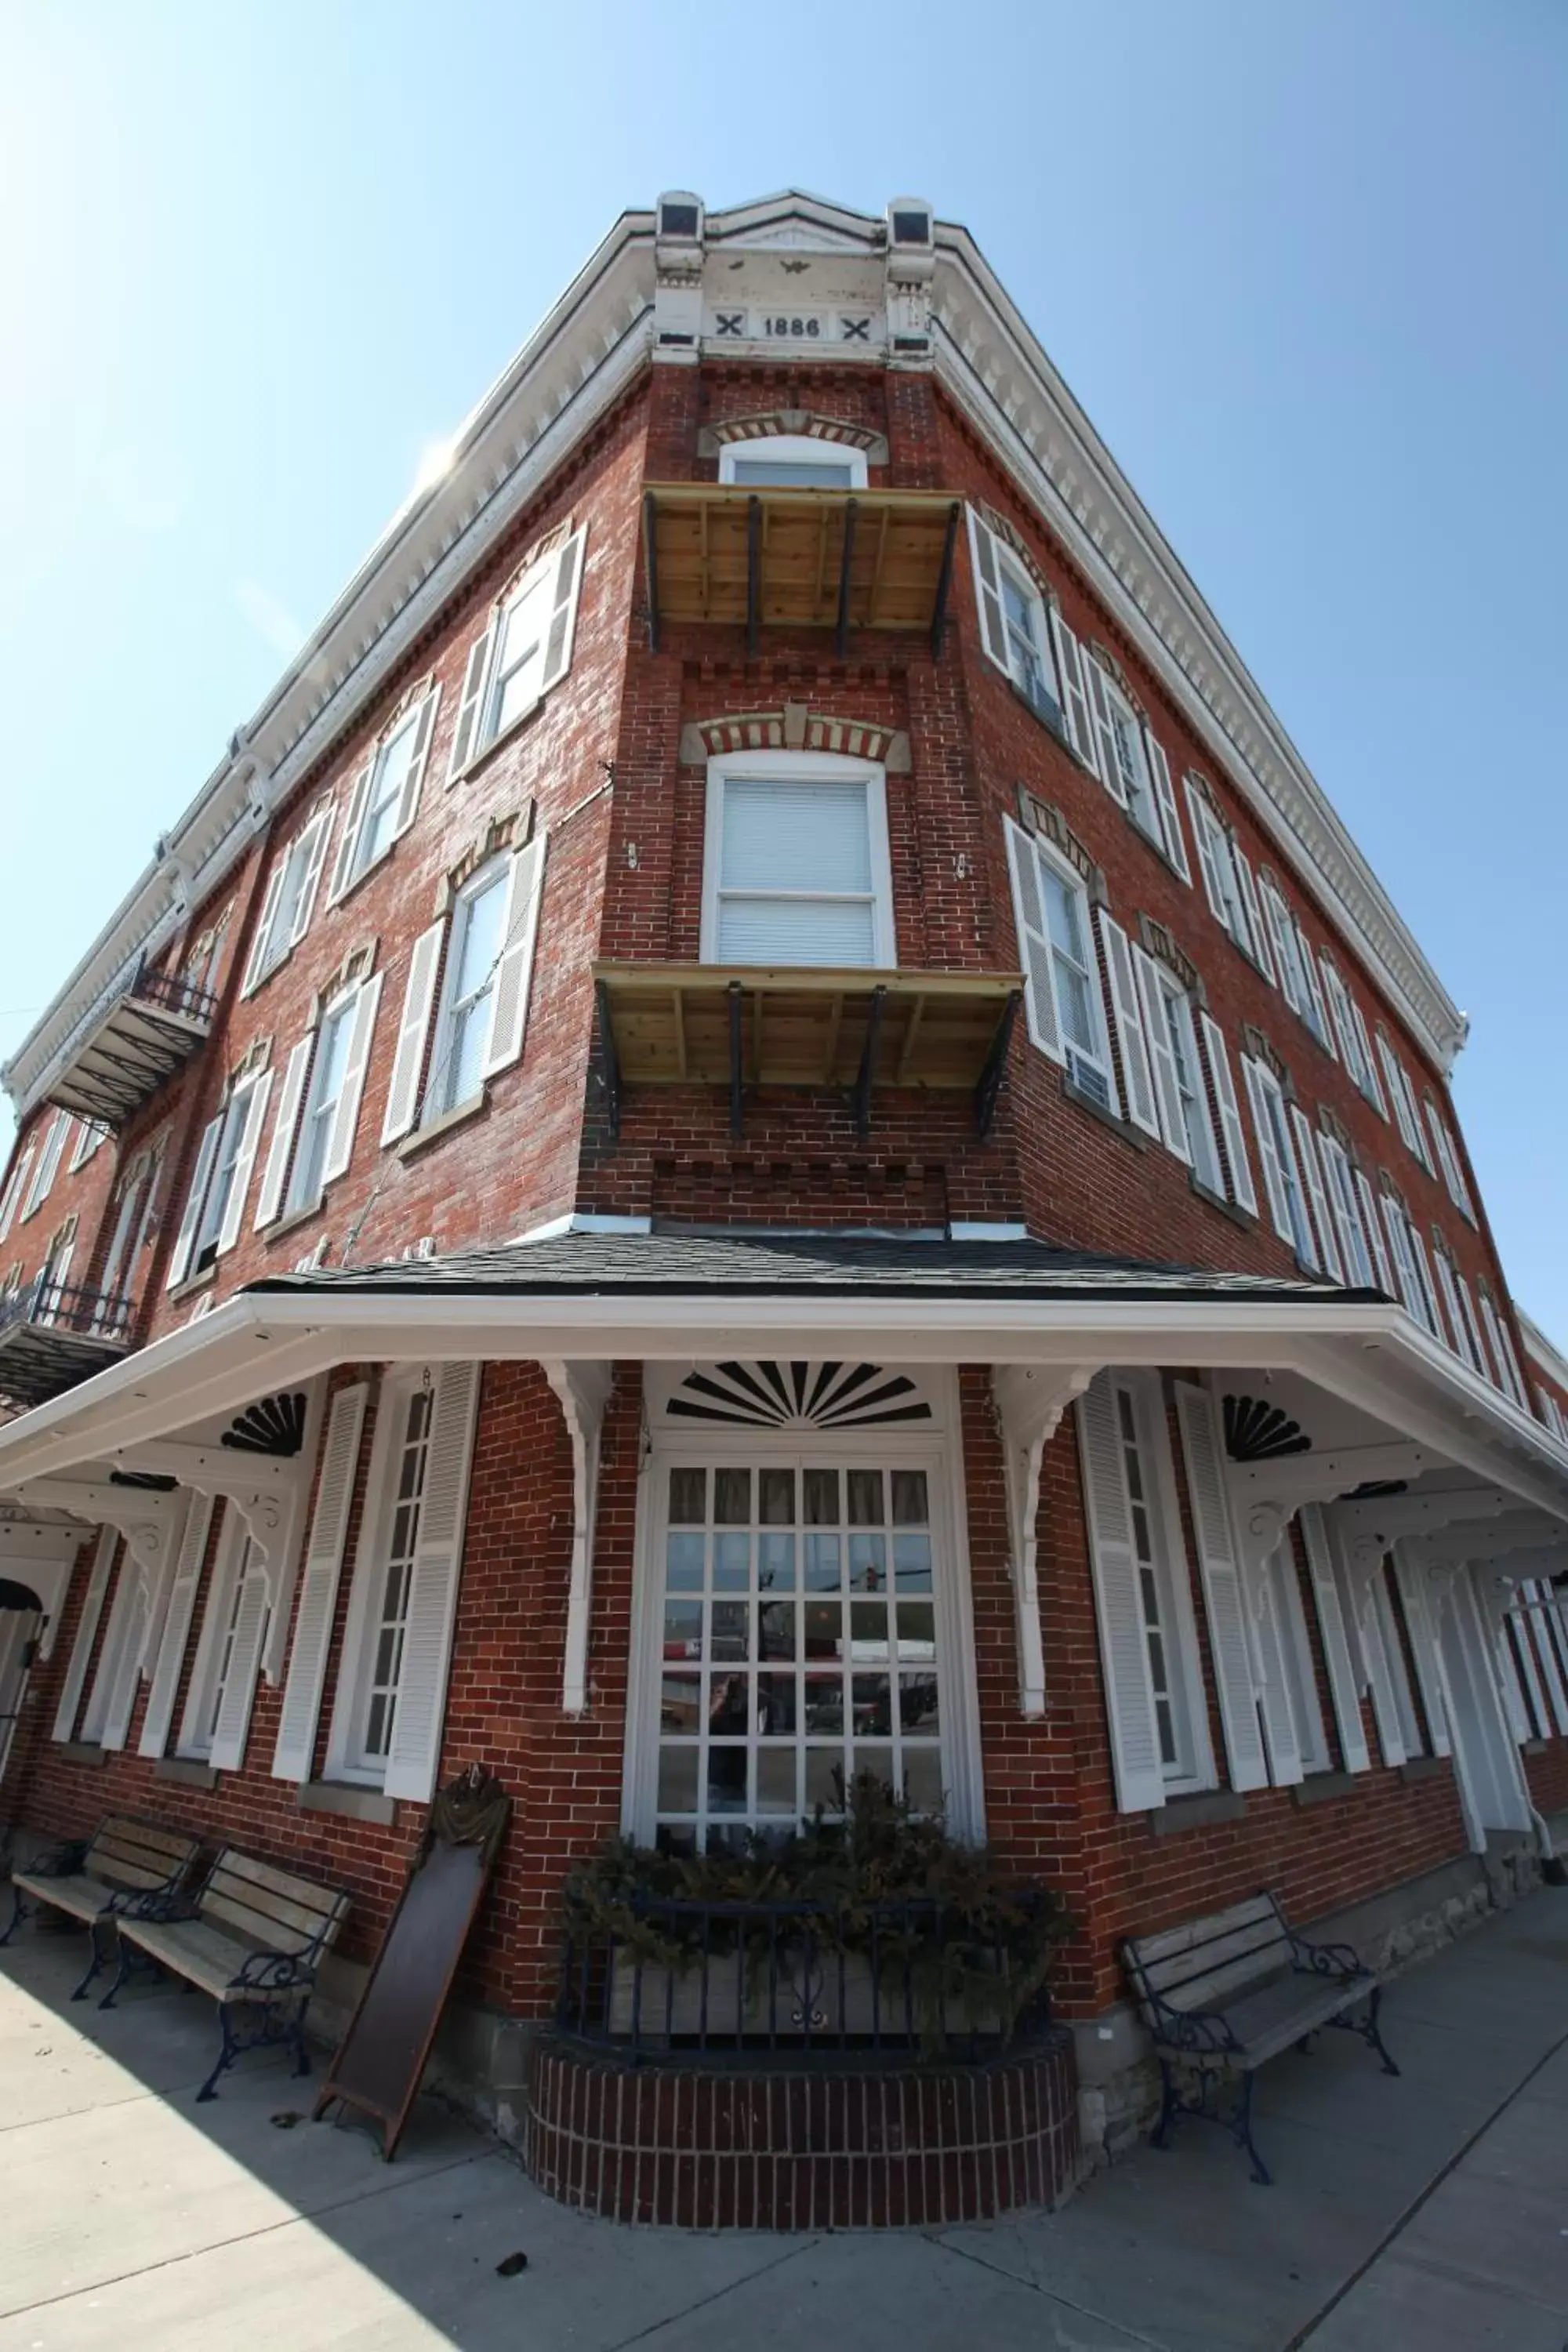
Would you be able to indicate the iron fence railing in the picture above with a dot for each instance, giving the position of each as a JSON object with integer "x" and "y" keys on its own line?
{"x": 65, "y": 1307}
{"x": 174, "y": 996}
{"x": 789, "y": 1977}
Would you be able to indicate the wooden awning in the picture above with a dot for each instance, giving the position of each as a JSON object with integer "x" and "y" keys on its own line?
{"x": 838, "y": 560}
{"x": 668, "y": 1024}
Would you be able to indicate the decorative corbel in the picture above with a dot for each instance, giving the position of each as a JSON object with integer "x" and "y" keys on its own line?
{"x": 268, "y": 1491}
{"x": 1030, "y": 1400}
{"x": 151, "y": 1520}
{"x": 581, "y": 1386}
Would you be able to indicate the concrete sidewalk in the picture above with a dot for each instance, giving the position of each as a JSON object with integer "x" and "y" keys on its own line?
{"x": 1430, "y": 2212}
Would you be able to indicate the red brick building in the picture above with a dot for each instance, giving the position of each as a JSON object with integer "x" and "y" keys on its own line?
{"x": 767, "y": 1009}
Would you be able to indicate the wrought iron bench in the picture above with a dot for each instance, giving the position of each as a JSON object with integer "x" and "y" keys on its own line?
{"x": 1223, "y": 1994}
{"x": 252, "y": 1935}
{"x": 96, "y": 1879}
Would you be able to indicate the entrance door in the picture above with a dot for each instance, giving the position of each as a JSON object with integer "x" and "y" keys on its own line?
{"x": 1490, "y": 1782}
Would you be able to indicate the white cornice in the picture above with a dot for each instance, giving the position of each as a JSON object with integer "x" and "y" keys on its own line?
{"x": 562, "y": 380}
{"x": 1541, "y": 1350}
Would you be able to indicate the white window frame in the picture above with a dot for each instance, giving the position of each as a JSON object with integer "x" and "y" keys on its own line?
{"x": 15, "y": 1184}
{"x": 226, "y": 1583}
{"x": 371, "y": 796}
{"x": 478, "y": 731}
{"x": 435, "y": 1105}
{"x": 289, "y": 900}
{"x": 88, "y": 1139}
{"x": 48, "y": 1165}
{"x": 1167, "y": 1002}
{"x": 1060, "y": 668}
{"x": 207, "y": 1244}
{"x": 1344, "y": 1206}
{"x": 1271, "y": 1118}
{"x": 1045, "y": 1023}
{"x": 1449, "y": 1160}
{"x": 1194, "y": 1767}
{"x": 1221, "y": 864}
{"x": 1282, "y": 1572}
{"x": 802, "y": 767}
{"x": 313, "y": 1110}
{"x": 940, "y": 1457}
{"x": 791, "y": 448}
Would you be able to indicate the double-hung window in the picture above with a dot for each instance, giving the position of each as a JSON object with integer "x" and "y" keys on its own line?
{"x": 134, "y": 1196}
{"x": 1229, "y": 884}
{"x": 1297, "y": 965}
{"x": 1510, "y": 1379}
{"x": 215, "y": 1206}
{"x": 1281, "y": 1177}
{"x": 214, "y": 1665}
{"x": 795, "y": 863}
{"x": 1017, "y": 630}
{"x": 318, "y": 1110}
{"x": 1063, "y": 997}
{"x": 792, "y": 461}
{"x": 289, "y": 900}
{"x": 47, "y": 1165}
{"x": 1406, "y": 1110}
{"x": 465, "y": 1003}
{"x": 1185, "y": 1119}
{"x": 1409, "y": 1256}
{"x": 522, "y": 652}
{"x": 88, "y": 1139}
{"x": 1448, "y": 1161}
{"x": 1344, "y": 1201}
{"x": 1465, "y": 1338}
{"x": 15, "y": 1186}
{"x": 1350, "y": 1025}
{"x": 385, "y": 797}
{"x": 1132, "y": 766}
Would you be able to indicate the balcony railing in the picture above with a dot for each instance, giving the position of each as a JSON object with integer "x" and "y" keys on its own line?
{"x": 53, "y": 1334}
{"x": 144, "y": 1031}
{"x": 795, "y": 1977}
{"x": 861, "y": 1031}
{"x": 839, "y": 559}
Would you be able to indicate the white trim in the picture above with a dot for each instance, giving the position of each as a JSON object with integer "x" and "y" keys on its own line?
{"x": 804, "y": 767}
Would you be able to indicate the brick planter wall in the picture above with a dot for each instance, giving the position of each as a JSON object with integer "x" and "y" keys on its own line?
{"x": 822, "y": 2148}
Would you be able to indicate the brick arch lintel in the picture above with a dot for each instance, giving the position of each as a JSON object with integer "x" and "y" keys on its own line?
{"x": 804, "y": 421}
{"x": 794, "y": 726}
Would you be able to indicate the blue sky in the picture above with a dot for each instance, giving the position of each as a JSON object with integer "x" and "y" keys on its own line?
{"x": 1304, "y": 264}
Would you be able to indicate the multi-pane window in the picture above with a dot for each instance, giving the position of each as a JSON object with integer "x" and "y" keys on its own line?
{"x": 214, "y": 1648}
{"x": 796, "y": 863}
{"x": 1406, "y": 1110}
{"x": 1228, "y": 882}
{"x": 463, "y": 1031}
{"x": 382, "y": 1665}
{"x": 1155, "y": 1570}
{"x": 231, "y": 1165}
{"x": 1361, "y": 1271}
{"x": 792, "y": 461}
{"x": 1409, "y": 1256}
{"x": 1355, "y": 1045}
{"x": 1281, "y": 1176}
{"x": 1448, "y": 1161}
{"x": 386, "y": 794}
{"x": 525, "y": 648}
{"x": 289, "y": 900}
{"x": 1062, "y": 998}
{"x": 798, "y": 1644}
{"x": 48, "y": 1161}
{"x": 1014, "y": 627}
{"x": 1173, "y": 1032}
{"x": 1295, "y": 1653}
{"x": 329, "y": 1067}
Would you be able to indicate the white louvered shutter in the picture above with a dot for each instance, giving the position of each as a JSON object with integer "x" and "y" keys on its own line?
{"x": 1274, "y": 1182}
{"x": 466, "y": 734}
{"x": 1166, "y": 797}
{"x": 307, "y": 1676}
{"x": 1269, "y": 1636}
{"x": 1537, "y": 1595}
{"x": 245, "y": 1160}
{"x": 1136, "y": 1075}
{"x": 1247, "y": 890}
{"x": 86, "y": 1632}
{"x": 343, "y": 871}
{"x": 1344, "y": 1682}
{"x": 514, "y": 969}
{"x": 1467, "y": 1308}
{"x": 345, "y": 1117}
{"x": 1458, "y": 1339}
{"x": 195, "y": 1200}
{"x": 1239, "y": 1167}
{"x": 1223, "y": 1595}
{"x": 412, "y": 782}
{"x": 1428, "y": 1297}
{"x": 418, "y": 995}
{"x": 13, "y": 1190}
{"x": 988, "y": 591}
{"x": 1315, "y": 1009}
{"x": 1162, "y": 1061}
{"x": 1372, "y": 1084}
{"x": 1359, "y": 1271}
{"x": 1287, "y": 954}
{"x": 1204, "y": 833}
{"x": 1418, "y": 1616}
{"x": 1374, "y": 1227}
{"x": 1396, "y": 1077}
{"x": 1338, "y": 1003}
{"x": 1317, "y": 1195}
{"x": 233, "y": 1726}
{"x": 1034, "y": 944}
{"x": 313, "y": 851}
{"x": 1404, "y": 1263}
{"x": 1075, "y": 694}
{"x": 283, "y": 1126}
{"x": 182, "y": 1602}
{"x": 258, "y": 962}
{"x": 125, "y": 1647}
{"x": 1119, "y": 1610}
{"x": 417, "y": 1724}
{"x": 1380, "y": 1679}
{"x": 569, "y": 566}
{"x": 1106, "y": 762}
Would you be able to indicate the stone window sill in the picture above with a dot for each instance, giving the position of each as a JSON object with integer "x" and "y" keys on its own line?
{"x": 1231, "y": 1209}
{"x": 1206, "y": 1810}
{"x": 82, "y": 1752}
{"x": 482, "y": 758}
{"x": 296, "y": 1218}
{"x": 343, "y": 1797}
{"x": 1426, "y": 1768}
{"x": 1322, "y": 1787}
{"x": 1533, "y": 1747}
{"x": 195, "y": 1284}
{"x": 188, "y": 1771}
{"x": 1129, "y": 1134}
{"x": 473, "y": 1106}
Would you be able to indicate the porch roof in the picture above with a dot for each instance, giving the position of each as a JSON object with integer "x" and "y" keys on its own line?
{"x": 736, "y": 1265}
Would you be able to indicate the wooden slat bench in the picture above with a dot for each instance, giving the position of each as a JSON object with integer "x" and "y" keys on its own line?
{"x": 251, "y": 1935}
{"x": 1223, "y": 1994}
{"x": 96, "y": 1879}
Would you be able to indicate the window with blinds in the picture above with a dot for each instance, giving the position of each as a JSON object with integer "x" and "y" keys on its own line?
{"x": 796, "y": 870}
